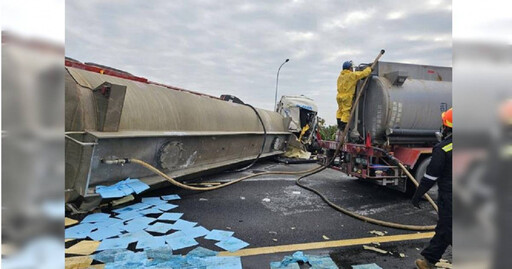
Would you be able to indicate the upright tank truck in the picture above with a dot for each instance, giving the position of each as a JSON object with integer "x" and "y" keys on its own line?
{"x": 400, "y": 113}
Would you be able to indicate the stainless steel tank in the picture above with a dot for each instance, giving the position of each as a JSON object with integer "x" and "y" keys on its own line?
{"x": 180, "y": 132}
{"x": 404, "y": 101}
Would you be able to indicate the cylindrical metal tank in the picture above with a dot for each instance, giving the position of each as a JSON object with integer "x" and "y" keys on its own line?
{"x": 404, "y": 96}
{"x": 180, "y": 132}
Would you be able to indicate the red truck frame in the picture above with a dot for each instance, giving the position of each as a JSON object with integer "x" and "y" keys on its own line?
{"x": 363, "y": 162}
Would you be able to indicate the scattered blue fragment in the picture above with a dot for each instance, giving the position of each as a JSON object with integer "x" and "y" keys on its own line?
{"x": 109, "y": 222}
{"x": 104, "y": 232}
{"x": 127, "y": 264}
{"x": 96, "y": 217}
{"x": 107, "y": 256}
{"x": 232, "y": 244}
{"x": 278, "y": 265}
{"x": 129, "y": 215}
{"x": 137, "y": 185}
{"x": 122, "y": 188}
{"x": 170, "y": 216}
{"x": 300, "y": 257}
{"x": 152, "y": 200}
{"x": 135, "y": 236}
{"x": 137, "y": 224}
{"x": 177, "y": 234}
{"x": 134, "y": 207}
{"x": 219, "y": 235}
{"x": 179, "y": 242}
{"x": 159, "y": 227}
{"x": 114, "y": 243}
{"x": 216, "y": 262}
{"x": 323, "y": 262}
{"x": 316, "y": 262}
{"x": 202, "y": 252}
{"x": 162, "y": 253}
{"x": 196, "y": 231}
{"x": 171, "y": 197}
{"x": 130, "y": 256}
{"x": 166, "y": 207}
{"x": 171, "y": 261}
{"x": 109, "y": 191}
{"x": 79, "y": 231}
{"x": 152, "y": 210}
{"x": 366, "y": 266}
{"x": 151, "y": 242}
{"x": 183, "y": 225}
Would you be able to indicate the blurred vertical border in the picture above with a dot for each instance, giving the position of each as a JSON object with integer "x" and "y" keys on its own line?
{"x": 32, "y": 99}
{"x": 482, "y": 94}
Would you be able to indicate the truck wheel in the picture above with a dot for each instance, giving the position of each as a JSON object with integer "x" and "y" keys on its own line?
{"x": 418, "y": 173}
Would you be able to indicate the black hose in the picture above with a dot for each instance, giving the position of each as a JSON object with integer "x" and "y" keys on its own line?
{"x": 262, "y": 145}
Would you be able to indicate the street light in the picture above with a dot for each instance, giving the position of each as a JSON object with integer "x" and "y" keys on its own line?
{"x": 277, "y": 81}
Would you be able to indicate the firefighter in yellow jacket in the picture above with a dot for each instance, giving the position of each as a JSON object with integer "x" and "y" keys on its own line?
{"x": 346, "y": 87}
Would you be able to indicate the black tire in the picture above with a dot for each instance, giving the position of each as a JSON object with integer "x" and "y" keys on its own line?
{"x": 418, "y": 172}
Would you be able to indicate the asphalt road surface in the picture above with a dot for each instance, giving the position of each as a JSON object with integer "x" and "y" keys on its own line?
{"x": 271, "y": 211}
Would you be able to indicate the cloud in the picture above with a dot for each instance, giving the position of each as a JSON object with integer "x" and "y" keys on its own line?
{"x": 234, "y": 47}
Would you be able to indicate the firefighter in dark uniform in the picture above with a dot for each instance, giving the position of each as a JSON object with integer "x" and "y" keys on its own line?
{"x": 439, "y": 171}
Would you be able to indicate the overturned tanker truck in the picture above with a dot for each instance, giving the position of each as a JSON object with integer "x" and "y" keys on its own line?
{"x": 112, "y": 115}
{"x": 399, "y": 112}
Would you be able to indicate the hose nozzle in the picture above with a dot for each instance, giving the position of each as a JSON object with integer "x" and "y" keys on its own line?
{"x": 115, "y": 161}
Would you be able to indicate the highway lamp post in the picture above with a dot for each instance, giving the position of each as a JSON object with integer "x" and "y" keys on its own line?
{"x": 277, "y": 83}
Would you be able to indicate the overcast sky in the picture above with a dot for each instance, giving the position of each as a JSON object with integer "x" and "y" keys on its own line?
{"x": 236, "y": 47}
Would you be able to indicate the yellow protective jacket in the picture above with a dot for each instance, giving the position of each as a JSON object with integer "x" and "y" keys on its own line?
{"x": 346, "y": 87}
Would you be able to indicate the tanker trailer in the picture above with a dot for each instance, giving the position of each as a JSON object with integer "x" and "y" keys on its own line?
{"x": 400, "y": 112}
{"x": 111, "y": 115}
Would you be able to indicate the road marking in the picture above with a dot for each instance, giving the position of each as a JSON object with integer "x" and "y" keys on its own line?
{"x": 327, "y": 244}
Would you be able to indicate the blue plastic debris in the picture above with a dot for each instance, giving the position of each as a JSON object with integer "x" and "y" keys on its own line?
{"x": 104, "y": 232}
{"x": 96, "y": 217}
{"x": 202, "y": 252}
{"x": 109, "y": 191}
{"x": 79, "y": 231}
{"x": 137, "y": 185}
{"x": 114, "y": 243}
{"x": 159, "y": 227}
{"x": 107, "y": 256}
{"x": 366, "y": 266}
{"x": 170, "y": 216}
{"x": 122, "y": 188}
{"x": 135, "y": 236}
{"x": 108, "y": 223}
{"x": 219, "y": 235}
{"x": 166, "y": 207}
{"x": 137, "y": 224}
{"x": 322, "y": 262}
{"x": 162, "y": 253}
{"x": 129, "y": 215}
{"x": 216, "y": 262}
{"x": 196, "y": 231}
{"x": 183, "y": 225}
{"x": 300, "y": 257}
{"x": 152, "y": 200}
{"x": 171, "y": 197}
{"x": 152, "y": 210}
{"x": 179, "y": 242}
{"x": 126, "y": 256}
{"x": 278, "y": 265}
{"x": 232, "y": 244}
{"x": 316, "y": 262}
{"x": 134, "y": 207}
{"x": 151, "y": 242}
{"x": 172, "y": 261}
